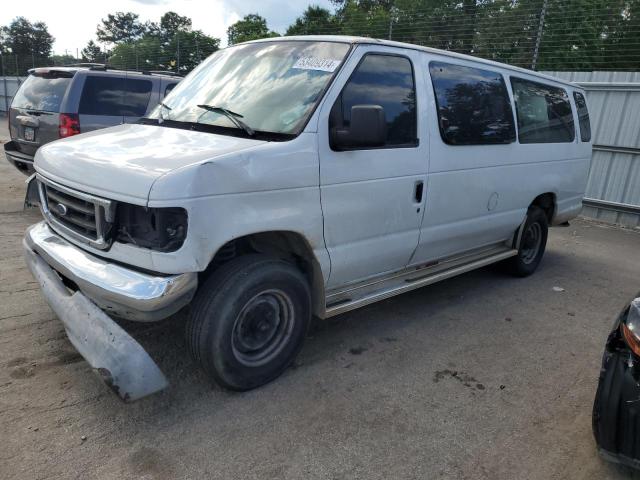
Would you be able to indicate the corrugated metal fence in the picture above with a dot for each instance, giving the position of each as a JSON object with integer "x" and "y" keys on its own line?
{"x": 8, "y": 88}
{"x": 613, "y": 190}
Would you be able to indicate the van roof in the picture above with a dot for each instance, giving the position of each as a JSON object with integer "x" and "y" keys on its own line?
{"x": 389, "y": 43}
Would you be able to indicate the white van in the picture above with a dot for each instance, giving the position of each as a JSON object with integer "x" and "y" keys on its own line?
{"x": 293, "y": 177}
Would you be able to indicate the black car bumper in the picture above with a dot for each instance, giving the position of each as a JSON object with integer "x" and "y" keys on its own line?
{"x": 21, "y": 161}
{"x": 616, "y": 410}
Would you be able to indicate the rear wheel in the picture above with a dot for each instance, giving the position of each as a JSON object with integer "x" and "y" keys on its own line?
{"x": 249, "y": 320}
{"x": 532, "y": 244}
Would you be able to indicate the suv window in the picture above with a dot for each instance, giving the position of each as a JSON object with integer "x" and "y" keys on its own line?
{"x": 385, "y": 80}
{"x": 473, "y": 105}
{"x": 544, "y": 113}
{"x": 583, "y": 117}
{"x": 115, "y": 96}
{"x": 43, "y": 91}
{"x": 169, "y": 87}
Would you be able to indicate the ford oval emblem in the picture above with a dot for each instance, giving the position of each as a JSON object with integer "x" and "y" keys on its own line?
{"x": 61, "y": 209}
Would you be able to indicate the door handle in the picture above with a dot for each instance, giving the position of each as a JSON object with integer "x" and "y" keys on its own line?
{"x": 418, "y": 191}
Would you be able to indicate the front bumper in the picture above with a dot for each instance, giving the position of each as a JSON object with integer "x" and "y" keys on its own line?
{"x": 21, "y": 161}
{"x": 122, "y": 291}
{"x": 616, "y": 410}
{"x": 121, "y": 362}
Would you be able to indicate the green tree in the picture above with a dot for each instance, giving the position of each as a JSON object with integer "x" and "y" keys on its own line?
{"x": 171, "y": 23}
{"x": 251, "y": 27}
{"x": 314, "y": 21}
{"x": 121, "y": 27}
{"x": 23, "y": 38}
{"x": 92, "y": 53}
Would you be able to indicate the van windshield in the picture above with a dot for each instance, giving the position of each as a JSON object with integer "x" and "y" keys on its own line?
{"x": 43, "y": 91}
{"x": 270, "y": 86}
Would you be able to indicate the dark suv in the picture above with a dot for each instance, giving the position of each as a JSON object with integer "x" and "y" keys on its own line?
{"x": 57, "y": 102}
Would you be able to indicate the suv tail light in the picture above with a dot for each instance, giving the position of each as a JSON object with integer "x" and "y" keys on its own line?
{"x": 69, "y": 125}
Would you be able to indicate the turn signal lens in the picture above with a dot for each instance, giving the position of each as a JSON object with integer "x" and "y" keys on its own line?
{"x": 630, "y": 327}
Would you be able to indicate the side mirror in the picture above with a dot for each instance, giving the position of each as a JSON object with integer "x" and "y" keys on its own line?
{"x": 368, "y": 129}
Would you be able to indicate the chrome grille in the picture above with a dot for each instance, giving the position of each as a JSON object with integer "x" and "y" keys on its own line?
{"x": 79, "y": 215}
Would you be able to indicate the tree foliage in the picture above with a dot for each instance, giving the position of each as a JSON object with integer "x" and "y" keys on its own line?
{"x": 121, "y": 27}
{"x": 314, "y": 21}
{"x": 251, "y": 27}
{"x": 23, "y": 38}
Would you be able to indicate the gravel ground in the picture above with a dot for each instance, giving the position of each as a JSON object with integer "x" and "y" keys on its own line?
{"x": 482, "y": 376}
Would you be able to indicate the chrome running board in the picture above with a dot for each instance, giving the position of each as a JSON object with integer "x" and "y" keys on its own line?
{"x": 359, "y": 295}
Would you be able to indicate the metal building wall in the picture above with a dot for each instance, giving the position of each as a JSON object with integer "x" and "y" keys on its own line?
{"x": 8, "y": 88}
{"x": 613, "y": 189}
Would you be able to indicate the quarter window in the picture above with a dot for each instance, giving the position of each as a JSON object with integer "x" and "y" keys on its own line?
{"x": 387, "y": 81}
{"x": 115, "y": 96}
{"x": 544, "y": 113}
{"x": 583, "y": 117}
{"x": 473, "y": 105}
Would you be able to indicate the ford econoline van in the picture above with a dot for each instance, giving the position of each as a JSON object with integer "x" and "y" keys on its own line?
{"x": 297, "y": 177}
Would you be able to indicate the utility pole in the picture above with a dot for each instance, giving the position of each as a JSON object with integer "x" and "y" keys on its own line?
{"x": 178, "y": 40}
{"x": 543, "y": 11}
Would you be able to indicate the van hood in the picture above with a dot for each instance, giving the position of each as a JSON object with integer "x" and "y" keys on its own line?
{"x": 123, "y": 162}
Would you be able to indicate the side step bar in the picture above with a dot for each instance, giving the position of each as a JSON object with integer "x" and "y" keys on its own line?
{"x": 355, "y": 297}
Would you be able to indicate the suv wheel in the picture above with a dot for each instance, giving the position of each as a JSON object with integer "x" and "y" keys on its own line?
{"x": 249, "y": 320}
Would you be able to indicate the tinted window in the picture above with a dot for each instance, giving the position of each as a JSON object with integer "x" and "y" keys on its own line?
{"x": 43, "y": 91}
{"x": 137, "y": 94}
{"x": 169, "y": 88}
{"x": 102, "y": 96}
{"x": 110, "y": 95}
{"x": 583, "y": 117}
{"x": 544, "y": 113}
{"x": 386, "y": 81}
{"x": 473, "y": 105}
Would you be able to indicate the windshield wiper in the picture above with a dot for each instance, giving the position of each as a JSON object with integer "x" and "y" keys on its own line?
{"x": 232, "y": 116}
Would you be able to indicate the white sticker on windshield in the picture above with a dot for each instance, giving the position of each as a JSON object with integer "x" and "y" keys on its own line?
{"x": 315, "y": 63}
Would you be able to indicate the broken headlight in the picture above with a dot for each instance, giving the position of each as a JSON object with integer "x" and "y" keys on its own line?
{"x": 630, "y": 327}
{"x": 159, "y": 229}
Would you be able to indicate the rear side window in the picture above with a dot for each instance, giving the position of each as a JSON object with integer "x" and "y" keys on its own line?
{"x": 137, "y": 94}
{"x": 387, "y": 81}
{"x": 544, "y": 113}
{"x": 583, "y": 117}
{"x": 43, "y": 91}
{"x": 115, "y": 96}
{"x": 473, "y": 105}
{"x": 170, "y": 87}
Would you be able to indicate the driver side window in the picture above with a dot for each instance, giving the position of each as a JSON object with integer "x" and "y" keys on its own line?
{"x": 387, "y": 81}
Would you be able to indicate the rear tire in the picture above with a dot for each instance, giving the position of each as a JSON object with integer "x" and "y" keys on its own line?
{"x": 249, "y": 320}
{"x": 532, "y": 244}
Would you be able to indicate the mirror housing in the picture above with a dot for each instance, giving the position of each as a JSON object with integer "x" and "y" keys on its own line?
{"x": 368, "y": 129}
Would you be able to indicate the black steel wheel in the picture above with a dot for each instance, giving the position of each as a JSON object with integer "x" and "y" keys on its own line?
{"x": 249, "y": 320}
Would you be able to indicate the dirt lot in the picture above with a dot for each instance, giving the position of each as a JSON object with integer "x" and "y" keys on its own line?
{"x": 482, "y": 376}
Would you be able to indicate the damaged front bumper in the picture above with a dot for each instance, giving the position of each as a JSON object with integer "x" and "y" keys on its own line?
{"x": 121, "y": 362}
{"x": 616, "y": 410}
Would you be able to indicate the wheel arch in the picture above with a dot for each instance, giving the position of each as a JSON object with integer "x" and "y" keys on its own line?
{"x": 288, "y": 245}
{"x": 548, "y": 203}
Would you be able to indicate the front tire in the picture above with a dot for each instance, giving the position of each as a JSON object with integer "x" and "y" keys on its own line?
{"x": 249, "y": 321}
{"x": 532, "y": 244}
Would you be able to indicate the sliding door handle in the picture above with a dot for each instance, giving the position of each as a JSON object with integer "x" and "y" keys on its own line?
{"x": 418, "y": 191}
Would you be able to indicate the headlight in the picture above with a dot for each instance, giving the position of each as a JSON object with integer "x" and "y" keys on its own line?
{"x": 630, "y": 327}
{"x": 160, "y": 229}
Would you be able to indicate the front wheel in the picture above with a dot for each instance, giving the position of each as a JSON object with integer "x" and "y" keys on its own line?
{"x": 249, "y": 320}
{"x": 532, "y": 244}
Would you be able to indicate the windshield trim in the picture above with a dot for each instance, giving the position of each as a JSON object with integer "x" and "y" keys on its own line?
{"x": 261, "y": 134}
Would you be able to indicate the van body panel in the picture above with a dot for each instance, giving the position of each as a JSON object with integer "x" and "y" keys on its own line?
{"x": 371, "y": 216}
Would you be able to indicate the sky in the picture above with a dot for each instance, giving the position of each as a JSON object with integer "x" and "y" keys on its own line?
{"x": 73, "y": 23}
